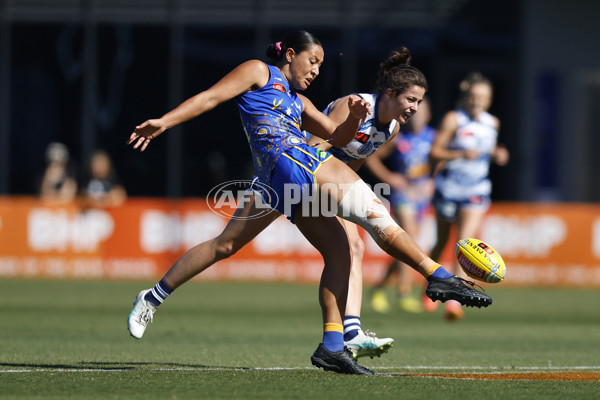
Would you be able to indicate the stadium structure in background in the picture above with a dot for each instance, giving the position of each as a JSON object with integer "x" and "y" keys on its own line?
{"x": 99, "y": 66}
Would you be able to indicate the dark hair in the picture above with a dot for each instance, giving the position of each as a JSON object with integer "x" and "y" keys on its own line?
{"x": 397, "y": 74}
{"x": 299, "y": 41}
{"x": 471, "y": 79}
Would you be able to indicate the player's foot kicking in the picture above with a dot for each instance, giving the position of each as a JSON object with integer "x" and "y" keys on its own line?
{"x": 367, "y": 344}
{"x": 140, "y": 315}
{"x": 455, "y": 288}
{"x": 340, "y": 361}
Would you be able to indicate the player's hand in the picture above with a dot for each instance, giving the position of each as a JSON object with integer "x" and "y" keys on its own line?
{"x": 470, "y": 154}
{"x": 144, "y": 133}
{"x": 501, "y": 155}
{"x": 359, "y": 107}
{"x": 397, "y": 181}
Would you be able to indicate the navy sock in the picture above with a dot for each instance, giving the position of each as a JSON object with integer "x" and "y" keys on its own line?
{"x": 441, "y": 273}
{"x": 333, "y": 341}
{"x": 351, "y": 327}
{"x": 158, "y": 294}
{"x": 333, "y": 337}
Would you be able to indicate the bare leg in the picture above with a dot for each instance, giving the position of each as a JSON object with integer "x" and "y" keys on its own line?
{"x": 358, "y": 204}
{"x": 408, "y": 219}
{"x": 334, "y": 178}
{"x": 443, "y": 235}
{"x": 236, "y": 235}
{"x": 391, "y": 271}
{"x": 355, "y": 284}
{"x": 328, "y": 236}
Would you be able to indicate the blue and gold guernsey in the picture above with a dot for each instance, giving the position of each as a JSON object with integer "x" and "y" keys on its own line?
{"x": 370, "y": 136}
{"x": 461, "y": 178}
{"x": 271, "y": 117}
{"x": 411, "y": 159}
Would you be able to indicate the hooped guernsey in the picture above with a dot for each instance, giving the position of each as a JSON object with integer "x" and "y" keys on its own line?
{"x": 462, "y": 178}
{"x": 370, "y": 135}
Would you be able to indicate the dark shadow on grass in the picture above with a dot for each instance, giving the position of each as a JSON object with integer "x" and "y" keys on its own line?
{"x": 78, "y": 366}
{"x": 117, "y": 366}
{"x": 167, "y": 365}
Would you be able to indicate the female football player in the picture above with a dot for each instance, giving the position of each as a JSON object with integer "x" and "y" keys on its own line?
{"x": 411, "y": 183}
{"x": 466, "y": 142}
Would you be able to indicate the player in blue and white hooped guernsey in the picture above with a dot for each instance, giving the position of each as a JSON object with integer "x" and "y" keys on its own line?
{"x": 408, "y": 172}
{"x": 273, "y": 128}
{"x": 466, "y": 143}
{"x": 400, "y": 90}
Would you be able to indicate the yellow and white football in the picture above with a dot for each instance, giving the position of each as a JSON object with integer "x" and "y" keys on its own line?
{"x": 480, "y": 261}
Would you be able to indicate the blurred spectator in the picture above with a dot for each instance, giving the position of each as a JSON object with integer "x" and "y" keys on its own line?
{"x": 58, "y": 184}
{"x": 101, "y": 187}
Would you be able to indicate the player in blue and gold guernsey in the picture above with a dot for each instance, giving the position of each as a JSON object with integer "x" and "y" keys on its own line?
{"x": 285, "y": 162}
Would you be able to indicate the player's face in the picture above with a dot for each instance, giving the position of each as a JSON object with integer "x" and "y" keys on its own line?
{"x": 304, "y": 67}
{"x": 479, "y": 99}
{"x": 406, "y": 104}
{"x": 421, "y": 119}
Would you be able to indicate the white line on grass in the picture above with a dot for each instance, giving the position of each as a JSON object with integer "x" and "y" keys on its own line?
{"x": 407, "y": 368}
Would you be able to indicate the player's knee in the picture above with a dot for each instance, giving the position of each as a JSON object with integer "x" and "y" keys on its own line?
{"x": 361, "y": 206}
{"x": 225, "y": 248}
{"x": 357, "y": 246}
{"x": 337, "y": 254}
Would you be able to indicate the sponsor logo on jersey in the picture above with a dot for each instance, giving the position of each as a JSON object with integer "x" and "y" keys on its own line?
{"x": 280, "y": 87}
{"x": 465, "y": 132}
{"x": 362, "y": 137}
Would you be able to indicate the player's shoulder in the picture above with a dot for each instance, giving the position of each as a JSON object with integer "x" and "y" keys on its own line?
{"x": 451, "y": 118}
{"x": 255, "y": 63}
{"x": 490, "y": 119}
{"x": 254, "y": 67}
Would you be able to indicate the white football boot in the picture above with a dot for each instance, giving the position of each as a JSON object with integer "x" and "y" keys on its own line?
{"x": 367, "y": 344}
{"x": 140, "y": 315}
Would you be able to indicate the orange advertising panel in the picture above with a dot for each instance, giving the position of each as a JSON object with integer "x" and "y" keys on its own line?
{"x": 549, "y": 245}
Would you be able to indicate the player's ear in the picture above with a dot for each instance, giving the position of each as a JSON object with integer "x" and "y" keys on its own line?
{"x": 290, "y": 54}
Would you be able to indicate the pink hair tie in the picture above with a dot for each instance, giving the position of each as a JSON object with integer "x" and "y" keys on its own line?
{"x": 278, "y": 48}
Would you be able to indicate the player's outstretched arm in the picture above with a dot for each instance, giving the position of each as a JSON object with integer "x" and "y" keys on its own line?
{"x": 247, "y": 76}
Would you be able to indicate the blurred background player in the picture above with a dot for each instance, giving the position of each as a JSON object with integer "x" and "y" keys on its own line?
{"x": 465, "y": 145}
{"x": 411, "y": 183}
{"x": 58, "y": 184}
{"x": 101, "y": 186}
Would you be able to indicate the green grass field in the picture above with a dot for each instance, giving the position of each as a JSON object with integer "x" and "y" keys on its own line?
{"x": 68, "y": 339}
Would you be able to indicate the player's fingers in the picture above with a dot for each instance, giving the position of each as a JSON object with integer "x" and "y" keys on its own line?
{"x": 132, "y": 137}
{"x": 146, "y": 143}
{"x": 138, "y": 142}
